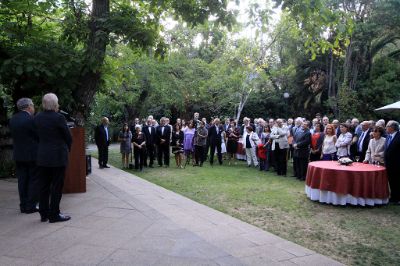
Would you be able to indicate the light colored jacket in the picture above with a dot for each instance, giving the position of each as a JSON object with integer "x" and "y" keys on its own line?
{"x": 376, "y": 149}
{"x": 343, "y": 144}
{"x": 279, "y": 135}
{"x": 254, "y": 139}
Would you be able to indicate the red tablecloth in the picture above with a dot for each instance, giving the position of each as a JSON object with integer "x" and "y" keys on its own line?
{"x": 359, "y": 180}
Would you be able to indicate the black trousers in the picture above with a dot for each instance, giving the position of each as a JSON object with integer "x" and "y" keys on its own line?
{"x": 295, "y": 166}
{"x": 212, "y": 152}
{"x": 199, "y": 154}
{"x": 280, "y": 159}
{"x": 163, "y": 151}
{"x": 51, "y": 185}
{"x": 140, "y": 157}
{"x": 150, "y": 155}
{"x": 393, "y": 174}
{"x": 301, "y": 170}
{"x": 103, "y": 155}
{"x": 28, "y": 187}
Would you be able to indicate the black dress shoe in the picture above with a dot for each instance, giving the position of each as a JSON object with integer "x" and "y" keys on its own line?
{"x": 43, "y": 219}
{"x": 31, "y": 210}
{"x": 59, "y": 218}
{"x": 106, "y": 166}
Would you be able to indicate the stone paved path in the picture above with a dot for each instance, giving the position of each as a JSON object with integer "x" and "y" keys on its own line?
{"x": 125, "y": 220}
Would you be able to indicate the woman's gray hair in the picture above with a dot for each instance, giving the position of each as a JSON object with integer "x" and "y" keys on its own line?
{"x": 50, "y": 102}
{"x": 24, "y": 103}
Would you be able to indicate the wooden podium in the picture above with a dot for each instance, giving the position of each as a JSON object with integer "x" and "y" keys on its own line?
{"x": 75, "y": 174}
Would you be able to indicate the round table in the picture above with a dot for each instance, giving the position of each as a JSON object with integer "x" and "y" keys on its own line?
{"x": 356, "y": 184}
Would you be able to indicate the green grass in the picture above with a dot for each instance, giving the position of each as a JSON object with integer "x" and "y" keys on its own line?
{"x": 351, "y": 235}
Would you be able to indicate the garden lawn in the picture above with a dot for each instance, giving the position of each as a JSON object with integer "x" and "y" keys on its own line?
{"x": 351, "y": 235}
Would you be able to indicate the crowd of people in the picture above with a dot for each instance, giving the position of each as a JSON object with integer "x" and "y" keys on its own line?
{"x": 267, "y": 144}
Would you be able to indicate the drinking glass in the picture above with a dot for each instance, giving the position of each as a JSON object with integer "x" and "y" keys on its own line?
{"x": 357, "y": 158}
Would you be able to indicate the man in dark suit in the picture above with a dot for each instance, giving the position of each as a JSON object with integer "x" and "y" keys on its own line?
{"x": 214, "y": 136}
{"x": 302, "y": 150}
{"x": 363, "y": 140}
{"x": 102, "y": 139}
{"x": 163, "y": 133}
{"x": 52, "y": 158}
{"x": 25, "y": 143}
{"x": 392, "y": 160}
{"x": 150, "y": 133}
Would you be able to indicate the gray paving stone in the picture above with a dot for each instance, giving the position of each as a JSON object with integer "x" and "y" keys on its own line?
{"x": 9, "y": 261}
{"x": 127, "y": 257}
{"x": 181, "y": 261}
{"x": 228, "y": 261}
{"x": 81, "y": 254}
{"x": 294, "y": 249}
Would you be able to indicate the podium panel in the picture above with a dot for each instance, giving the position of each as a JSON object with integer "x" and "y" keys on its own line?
{"x": 75, "y": 174}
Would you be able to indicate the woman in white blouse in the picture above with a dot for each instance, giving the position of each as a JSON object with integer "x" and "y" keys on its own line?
{"x": 328, "y": 145}
{"x": 376, "y": 147}
{"x": 343, "y": 142}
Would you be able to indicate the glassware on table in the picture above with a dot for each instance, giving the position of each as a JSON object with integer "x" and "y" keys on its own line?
{"x": 357, "y": 158}
{"x": 378, "y": 164}
{"x": 332, "y": 157}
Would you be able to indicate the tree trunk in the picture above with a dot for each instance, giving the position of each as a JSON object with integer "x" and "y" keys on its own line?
{"x": 94, "y": 55}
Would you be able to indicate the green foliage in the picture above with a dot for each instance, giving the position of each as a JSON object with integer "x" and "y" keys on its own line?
{"x": 348, "y": 103}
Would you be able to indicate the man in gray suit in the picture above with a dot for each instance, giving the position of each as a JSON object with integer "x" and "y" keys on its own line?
{"x": 25, "y": 143}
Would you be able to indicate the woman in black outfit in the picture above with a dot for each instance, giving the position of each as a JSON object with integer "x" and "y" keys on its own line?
{"x": 177, "y": 144}
{"x": 139, "y": 148}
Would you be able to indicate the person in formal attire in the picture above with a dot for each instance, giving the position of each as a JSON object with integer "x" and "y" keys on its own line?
{"x": 392, "y": 160}
{"x": 200, "y": 141}
{"x": 328, "y": 144}
{"x": 280, "y": 145}
{"x": 325, "y": 121}
{"x": 52, "y": 158}
{"x": 336, "y": 126}
{"x": 102, "y": 139}
{"x": 317, "y": 139}
{"x": 295, "y": 133}
{"x": 139, "y": 147}
{"x": 125, "y": 139}
{"x": 233, "y": 135}
{"x": 25, "y": 143}
{"x": 344, "y": 141}
{"x": 251, "y": 141}
{"x": 214, "y": 136}
{"x": 376, "y": 147}
{"x": 163, "y": 135}
{"x": 302, "y": 150}
{"x": 177, "y": 144}
{"x": 150, "y": 133}
{"x": 363, "y": 140}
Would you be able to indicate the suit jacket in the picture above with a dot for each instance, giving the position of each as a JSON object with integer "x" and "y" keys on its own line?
{"x": 213, "y": 136}
{"x": 150, "y": 133}
{"x": 24, "y": 137}
{"x": 392, "y": 152}
{"x": 165, "y": 136}
{"x": 54, "y": 139}
{"x": 303, "y": 144}
{"x": 365, "y": 141}
{"x": 100, "y": 136}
